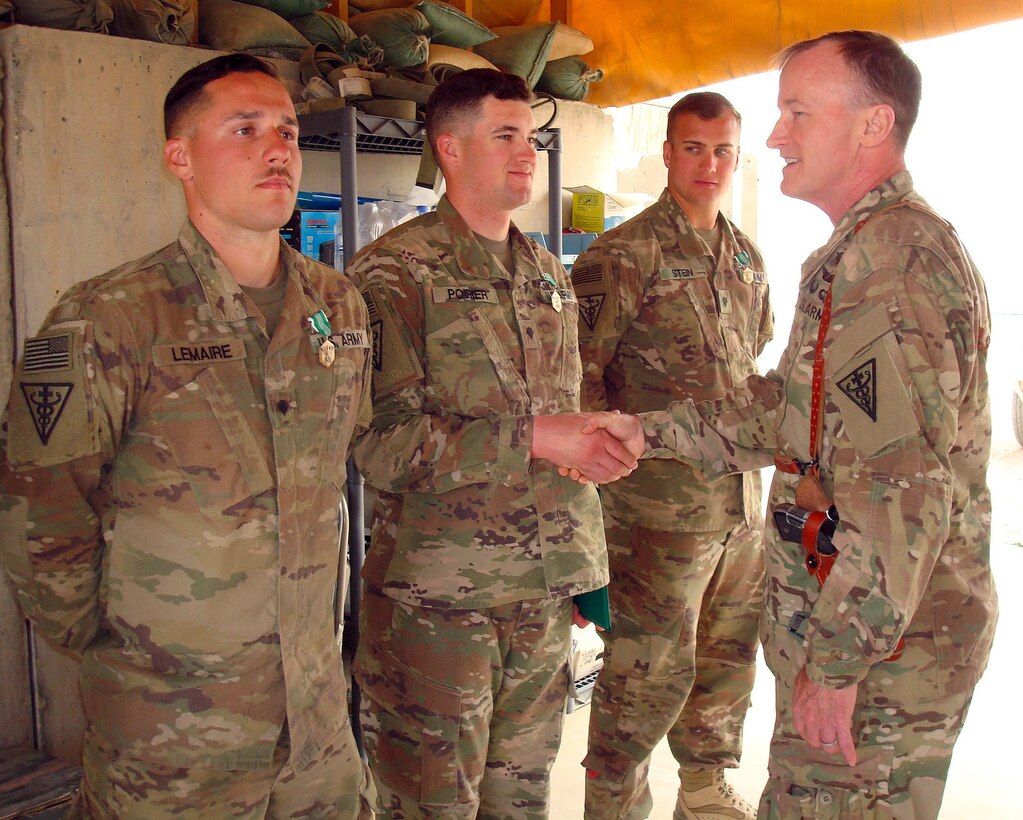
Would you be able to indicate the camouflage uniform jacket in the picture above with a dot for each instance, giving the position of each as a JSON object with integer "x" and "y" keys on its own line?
{"x": 171, "y": 484}
{"x": 465, "y": 354}
{"x": 660, "y": 319}
{"x": 906, "y": 440}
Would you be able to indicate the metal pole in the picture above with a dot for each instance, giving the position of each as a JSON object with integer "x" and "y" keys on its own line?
{"x": 349, "y": 183}
{"x": 554, "y": 193}
{"x": 356, "y": 557}
{"x": 355, "y": 483}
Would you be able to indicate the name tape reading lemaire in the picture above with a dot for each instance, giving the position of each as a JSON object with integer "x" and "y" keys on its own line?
{"x": 191, "y": 353}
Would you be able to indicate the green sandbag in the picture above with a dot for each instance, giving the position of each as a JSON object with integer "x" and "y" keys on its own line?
{"x": 375, "y": 5}
{"x": 363, "y": 52}
{"x": 450, "y": 27}
{"x": 402, "y": 33}
{"x": 520, "y": 50}
{"x": 323, "y": 28}
{"x": 290, "y": 8}
{"x": 162, "y": 21}
{"x": 568, "y": 78}
{"x": 72, "y": 15}
{"x": 227, "y": 25}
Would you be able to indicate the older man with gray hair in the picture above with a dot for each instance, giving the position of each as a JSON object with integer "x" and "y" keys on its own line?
{"x": 880, "y": 605}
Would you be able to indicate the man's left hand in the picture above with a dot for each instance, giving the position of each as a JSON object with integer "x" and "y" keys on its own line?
{"x": 824, "y": 716}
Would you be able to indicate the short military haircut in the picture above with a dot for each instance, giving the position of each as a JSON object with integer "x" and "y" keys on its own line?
{"x": 460, "y": 96}
{"x": 187, "y": 94}
{"x": 886, "y": 74}
{"x": 707, "y": 105}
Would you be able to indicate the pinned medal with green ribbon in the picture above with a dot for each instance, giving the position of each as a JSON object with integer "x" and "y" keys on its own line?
{"x": 743, "y": 262}
{"x": 321, "y": 327}
{"x": 555, "y": 295}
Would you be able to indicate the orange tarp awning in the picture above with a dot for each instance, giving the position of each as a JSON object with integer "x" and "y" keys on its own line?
{"x": 655, "y": 48}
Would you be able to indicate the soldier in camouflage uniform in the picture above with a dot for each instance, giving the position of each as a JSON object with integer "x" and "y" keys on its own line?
{"x": 673, "y": 305}
{"x": 172, "y": 458}
{"x": 478, "y": 545}
{"x": 875, "y": 662}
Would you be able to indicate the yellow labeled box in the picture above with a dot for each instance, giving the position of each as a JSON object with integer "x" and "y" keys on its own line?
{"x": 596, "y": 211}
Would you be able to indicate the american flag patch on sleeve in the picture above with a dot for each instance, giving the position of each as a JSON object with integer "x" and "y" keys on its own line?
{"x": 47, "y": 353}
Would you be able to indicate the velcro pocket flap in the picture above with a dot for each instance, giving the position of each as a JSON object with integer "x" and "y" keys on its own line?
{"x": 869, "y": 382}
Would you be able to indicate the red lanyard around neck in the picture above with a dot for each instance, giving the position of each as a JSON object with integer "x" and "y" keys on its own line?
{"x": 816, "y": 400}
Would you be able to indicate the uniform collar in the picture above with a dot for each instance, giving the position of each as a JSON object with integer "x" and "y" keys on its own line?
{"x": 223, "y": 295}
{"x": 894, "y": 189}
{"x": 473, "y": 259}
{"x": 690, "y": 242}
{"x": 228, "y": 303}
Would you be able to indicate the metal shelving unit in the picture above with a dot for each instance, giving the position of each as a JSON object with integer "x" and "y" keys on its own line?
{"x": 349, "y": 132}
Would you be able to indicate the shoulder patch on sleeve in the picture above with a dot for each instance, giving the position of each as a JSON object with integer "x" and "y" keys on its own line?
{"x": 50, "y": 406}
{"x": 394, "y": 363}
{"x": 47, "y": 353}
{"x": 595, "y": 291}
{"x": 871, "y": 384}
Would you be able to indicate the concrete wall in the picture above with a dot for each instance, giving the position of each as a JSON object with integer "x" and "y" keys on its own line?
{"x": 87, "y": 191}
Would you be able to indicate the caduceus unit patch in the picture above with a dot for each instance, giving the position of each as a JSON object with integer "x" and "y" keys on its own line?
{"x": 861, "y": 387}
{"x": 589, "y": 308}
{"x": 46, "y": 403}
{"x": 592, "y": 284}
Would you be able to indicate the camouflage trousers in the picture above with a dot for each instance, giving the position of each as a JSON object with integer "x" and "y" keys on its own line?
{"x": 679, "y": 662}
{"x": 462, "y": 709}
{"x": 334, "y": 785}
{"x": 904, "y": 725}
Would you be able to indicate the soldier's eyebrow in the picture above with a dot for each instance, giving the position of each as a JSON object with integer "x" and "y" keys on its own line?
{"x": 248, "y": 116}
{"x": 514, "y": 129}
{"x": 704, "y": 144}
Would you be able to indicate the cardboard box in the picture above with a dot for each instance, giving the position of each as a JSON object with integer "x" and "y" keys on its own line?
{"x": 291, "y": 231}
{"x": 314, "y": 226}
{"x": 573, "y": 244}
{"x": 596, "y": 211}
{"x": 587, "y": 653}
{"x": 318, "y": 232}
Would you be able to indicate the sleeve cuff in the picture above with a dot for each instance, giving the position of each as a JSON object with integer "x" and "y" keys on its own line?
{"x": 515, "y": 443}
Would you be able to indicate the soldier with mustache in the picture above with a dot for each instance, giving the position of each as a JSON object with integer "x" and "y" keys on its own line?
{"x": 170, "y": 466}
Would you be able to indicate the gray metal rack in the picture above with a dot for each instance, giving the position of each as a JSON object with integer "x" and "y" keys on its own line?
{"x": 349, "y": 132}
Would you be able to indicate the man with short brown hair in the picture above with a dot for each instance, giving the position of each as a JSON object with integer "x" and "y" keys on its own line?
{"x": 478, "y": 545}
{"x": 170, "y": 466}
{"x": 674, "y": 305}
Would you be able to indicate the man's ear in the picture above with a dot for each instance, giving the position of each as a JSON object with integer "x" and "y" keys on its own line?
{"x": 176, "y": 158}
{"x": 880, "y": 122}
{"x": 449, "y": 150}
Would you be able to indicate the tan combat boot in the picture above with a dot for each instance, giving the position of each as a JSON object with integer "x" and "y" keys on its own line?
{"x": 706, "y": 795}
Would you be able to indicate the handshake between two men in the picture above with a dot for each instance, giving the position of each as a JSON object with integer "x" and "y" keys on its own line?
{"x": 600, "y": 447}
